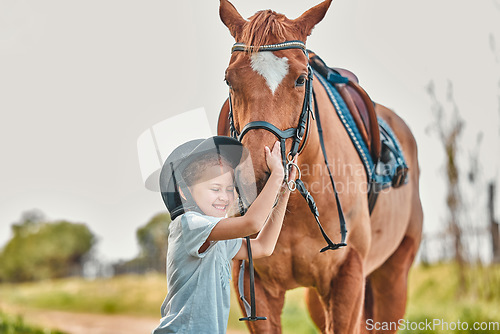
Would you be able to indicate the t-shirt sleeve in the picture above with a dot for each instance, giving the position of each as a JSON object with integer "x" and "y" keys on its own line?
{"x": 232, "y": 247}
{"x": 195, "y": 230}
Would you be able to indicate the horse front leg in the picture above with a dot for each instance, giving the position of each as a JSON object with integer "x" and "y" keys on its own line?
{"x": 315, "y": 308}
{"x": 269, "y": 300}
{"x": 343, "y": 303}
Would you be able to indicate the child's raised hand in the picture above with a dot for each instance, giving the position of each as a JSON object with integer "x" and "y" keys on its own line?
{"x": 273, "y": 159}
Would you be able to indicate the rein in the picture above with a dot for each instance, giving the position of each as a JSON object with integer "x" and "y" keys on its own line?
{"x": 297, "y": 134}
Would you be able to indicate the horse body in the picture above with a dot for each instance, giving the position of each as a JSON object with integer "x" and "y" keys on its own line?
{"x": 366, "y": 279}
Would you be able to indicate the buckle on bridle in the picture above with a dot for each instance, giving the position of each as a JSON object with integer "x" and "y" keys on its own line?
{"x": 291, "y": 184}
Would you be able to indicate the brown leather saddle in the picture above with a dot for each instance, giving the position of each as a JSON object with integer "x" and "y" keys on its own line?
{"x": 360, "y": 105}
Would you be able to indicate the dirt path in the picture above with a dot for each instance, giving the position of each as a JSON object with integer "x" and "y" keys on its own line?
{"x": 87, "y": 323}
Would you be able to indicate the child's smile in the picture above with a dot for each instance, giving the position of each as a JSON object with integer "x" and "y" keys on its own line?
{"x": 215, "y": 193}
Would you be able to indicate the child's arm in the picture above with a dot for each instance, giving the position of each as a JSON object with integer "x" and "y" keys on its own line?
{"x": 266, "y": 240}
{"x": 256, "y": 216}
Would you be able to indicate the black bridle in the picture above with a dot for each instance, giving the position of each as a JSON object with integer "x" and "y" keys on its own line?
{"x": 298, "y": 134}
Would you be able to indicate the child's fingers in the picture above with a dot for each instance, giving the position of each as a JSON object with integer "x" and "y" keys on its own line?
{"x": 275, "y": 152}
{"x": 277, "y": 148}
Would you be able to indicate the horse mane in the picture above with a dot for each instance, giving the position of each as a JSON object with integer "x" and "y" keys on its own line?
{"x": 265, "y": 27}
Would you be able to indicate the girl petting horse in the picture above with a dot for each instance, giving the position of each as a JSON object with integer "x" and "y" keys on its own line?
{"x": 198, "y": 187}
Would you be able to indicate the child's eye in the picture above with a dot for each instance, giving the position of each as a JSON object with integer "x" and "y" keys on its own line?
{"x": 214, "y": 189}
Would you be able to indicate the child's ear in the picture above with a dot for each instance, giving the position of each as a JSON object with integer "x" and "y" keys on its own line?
{"x": 182, "y": 194}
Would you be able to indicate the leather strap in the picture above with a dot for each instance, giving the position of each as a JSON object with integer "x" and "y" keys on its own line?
{"x": 294, "y": 44}
{"x": 312, "y": 206}
{"x": 250, "y": 309}
{"x": 343, "y": 230}
{"x": 267, "y": 126}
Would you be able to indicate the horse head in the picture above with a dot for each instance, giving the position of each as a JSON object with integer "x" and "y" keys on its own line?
{"x": 267, "y": 86}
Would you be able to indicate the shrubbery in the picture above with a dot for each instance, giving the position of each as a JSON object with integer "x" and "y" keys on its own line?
{"x": 153, "y": 242}
{"x": 43, "y": 250}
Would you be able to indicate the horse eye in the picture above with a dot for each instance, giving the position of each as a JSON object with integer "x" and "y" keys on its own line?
{"x": 300, "y": 81}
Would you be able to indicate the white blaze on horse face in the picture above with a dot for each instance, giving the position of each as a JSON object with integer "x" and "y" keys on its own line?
{"x": 271, "y": 67}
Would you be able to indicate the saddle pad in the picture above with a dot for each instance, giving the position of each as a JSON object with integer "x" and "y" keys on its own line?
{"x": 381, "y": 173}
{"x": 357, "y": 100}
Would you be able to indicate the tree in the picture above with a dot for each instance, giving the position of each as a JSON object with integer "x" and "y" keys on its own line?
{"x": 449, "y": 132}
{"x": 153, "y": 241}
{"x": 44, "y": 250}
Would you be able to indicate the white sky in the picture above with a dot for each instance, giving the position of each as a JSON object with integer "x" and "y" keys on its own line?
{"x": 81, "y": 80}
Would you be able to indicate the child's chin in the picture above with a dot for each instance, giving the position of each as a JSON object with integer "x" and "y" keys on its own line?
{"x": 219, "y": 214}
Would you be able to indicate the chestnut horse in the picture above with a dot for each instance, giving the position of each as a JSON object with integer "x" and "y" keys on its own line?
{"x": 367, "y": 280}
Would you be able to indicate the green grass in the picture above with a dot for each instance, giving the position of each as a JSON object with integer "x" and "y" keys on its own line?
{"x": 432, "y": 295}
{"x": 16, "y": 325}
{"x": 132, "y": 295}
{"x": 294, "y": 318}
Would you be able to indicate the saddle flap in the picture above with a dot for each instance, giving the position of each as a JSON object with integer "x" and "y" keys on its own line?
{"x": 366, "y": 110}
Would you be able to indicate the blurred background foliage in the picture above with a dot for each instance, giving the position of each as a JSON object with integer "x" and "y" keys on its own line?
{"x": 153, "y": 242}
{"x": 42, "y": 250}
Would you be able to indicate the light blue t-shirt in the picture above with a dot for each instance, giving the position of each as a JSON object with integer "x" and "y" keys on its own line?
{"x": 198, "y": 284}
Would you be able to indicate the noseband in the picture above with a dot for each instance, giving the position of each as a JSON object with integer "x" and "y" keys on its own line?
{"x": 297, "y": 133}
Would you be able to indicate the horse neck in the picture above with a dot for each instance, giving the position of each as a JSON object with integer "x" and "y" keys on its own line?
{"x": 312, "y": 161}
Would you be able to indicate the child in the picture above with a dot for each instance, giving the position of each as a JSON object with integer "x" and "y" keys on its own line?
{"x": 198, "y": 188}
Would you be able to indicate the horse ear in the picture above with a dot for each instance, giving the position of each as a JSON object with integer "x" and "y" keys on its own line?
{"x": 231, "y": 18}
{"x": 306, "y": 22}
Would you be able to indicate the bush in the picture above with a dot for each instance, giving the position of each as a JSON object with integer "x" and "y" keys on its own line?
{"x": 41, "y": 250}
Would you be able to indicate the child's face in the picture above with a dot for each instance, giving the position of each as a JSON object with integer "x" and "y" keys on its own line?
{"x": 214, "y": 195}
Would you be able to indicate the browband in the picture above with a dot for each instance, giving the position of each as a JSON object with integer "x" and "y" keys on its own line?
{"x": 271, "y": 47}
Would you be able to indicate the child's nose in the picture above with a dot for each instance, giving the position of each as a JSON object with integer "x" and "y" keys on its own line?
{"x": 223, "y": 196}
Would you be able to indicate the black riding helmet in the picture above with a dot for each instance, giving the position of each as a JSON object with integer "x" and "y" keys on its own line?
{"x": 171, "y": 174}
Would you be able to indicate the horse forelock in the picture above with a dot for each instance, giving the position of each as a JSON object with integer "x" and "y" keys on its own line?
{"x": 266, "y": 27}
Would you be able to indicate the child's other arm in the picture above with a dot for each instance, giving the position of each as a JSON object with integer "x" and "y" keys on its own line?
{"x": 266, "y": 240}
